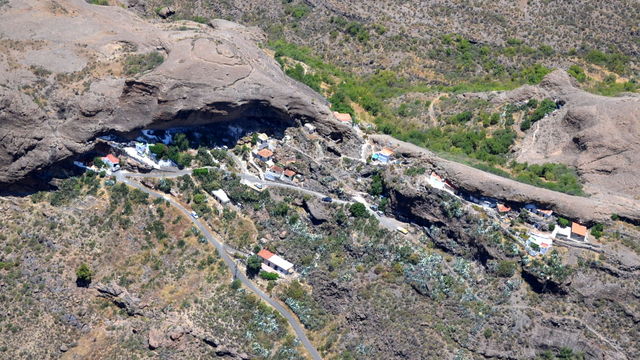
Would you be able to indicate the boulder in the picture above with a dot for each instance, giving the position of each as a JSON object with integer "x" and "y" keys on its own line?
{"x": 156, "y": 338}
{"x": 317, "y": 211}
{"x": 166, "y": 12}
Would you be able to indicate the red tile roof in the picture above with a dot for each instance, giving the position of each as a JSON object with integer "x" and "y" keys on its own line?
{"x": 112, "y": 159}
{"x": 265, "y": 153}
{"x": 276, "y": 169}
{"x": 503, "y": 208}
{"x": 289, "y": 173}
{"x": 578, "y": 229}
{"x": 265, "y": 254}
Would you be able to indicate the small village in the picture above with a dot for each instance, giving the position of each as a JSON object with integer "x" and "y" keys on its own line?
{"x": 263, "y": 162}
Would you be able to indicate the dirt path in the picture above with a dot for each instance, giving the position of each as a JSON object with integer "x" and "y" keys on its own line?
{"x": 432, "y": 113}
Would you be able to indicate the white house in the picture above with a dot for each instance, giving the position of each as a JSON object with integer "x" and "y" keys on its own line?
{"x": 543, "y": 243}
{"x": 275, "y": 262}
{"x": 142, "y": 149}
{"x": 384, "y": 156}
{"x": 310, "y": 128}
{"x": 264, "y": 155}
{"x": 274, "y": 173}
{"x": 112, "y": 162}
{"x": 221, "y": 196}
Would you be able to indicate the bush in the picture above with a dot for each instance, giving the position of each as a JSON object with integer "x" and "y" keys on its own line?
{"x": 139, "y": 63}
{"x": 563, "y": 222}
{"x": 83, "y": 275}
{"x": 269, "y": 275}
{"x": 506, "y": 269}
{"x": 577, "y": 72}
{"x": 597, "y": 230}
{"x": 236, "y": 284}
{"x": 358, "y": 210}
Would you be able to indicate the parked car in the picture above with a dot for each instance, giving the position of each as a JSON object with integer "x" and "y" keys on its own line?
{"x": 327, "y": 199}
{"x": 259, "y": 186}
{"x": 194, "y": 215}
{"x": 374, "y": 207}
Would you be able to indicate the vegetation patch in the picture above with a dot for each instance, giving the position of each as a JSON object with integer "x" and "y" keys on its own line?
{"x": 140, "y": 63}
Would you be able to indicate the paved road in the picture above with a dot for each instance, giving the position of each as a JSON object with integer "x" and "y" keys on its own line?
{"x": 233, "y": 267}
{"x": 247, "y": 177}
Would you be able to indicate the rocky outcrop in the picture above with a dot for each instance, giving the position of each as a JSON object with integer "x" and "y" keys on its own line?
{"x": 64, "y": 81}
{"x": 121, "y": 297}
{"x": 598, "y": 135}
{"x": 317, "y": 211}
{"x": 595, "y": 208}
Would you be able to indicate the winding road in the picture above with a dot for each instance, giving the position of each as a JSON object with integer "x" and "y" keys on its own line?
{"x": 233, "y": 267}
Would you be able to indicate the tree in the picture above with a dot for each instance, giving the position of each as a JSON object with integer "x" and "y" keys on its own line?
{"x": 181, "y": 141}
{"x": 377, "y": 185}
{"x": 83, "y": 275}
{"x": 358, "y": 210}
{"x": 159, "y": 149}
{"x": 165, "y": 185}
{"x": 254, "y": 263}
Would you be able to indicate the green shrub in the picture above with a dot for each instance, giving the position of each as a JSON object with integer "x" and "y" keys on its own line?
{"x": 269, "y": 275}
{"x": 597, "y": 230}
{"x": 563, "y": 222}
{"x": 140, "y": 63}
{"x": 83, "y": 275}
{"x": 577, "y": 72}
{"x": 506, "y": 268}
{"x": 297, "y": 11}
{"x": 358, "y": 210}
{"x": 98, "y": 2}
{"x": 236, "y": 284}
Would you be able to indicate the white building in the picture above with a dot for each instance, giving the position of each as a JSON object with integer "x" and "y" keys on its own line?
{"x": 221, "y": 196}
{"x": 112, "y": 162}
{"x": 275, "y": 262}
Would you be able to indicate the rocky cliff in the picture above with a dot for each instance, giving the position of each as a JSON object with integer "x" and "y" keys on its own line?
{"x": 598, "y": 135}
{"x": 71, "y": 71}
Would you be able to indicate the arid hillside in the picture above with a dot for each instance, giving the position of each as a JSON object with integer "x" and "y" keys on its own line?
{"x": 368, "y": 35}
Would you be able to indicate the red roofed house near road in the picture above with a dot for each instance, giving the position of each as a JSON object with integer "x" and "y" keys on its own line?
{"x": 578, "y": 232}
{"x": 264, "y": 155}
{"x": 275, "y": 262}
{"x": 112, "y": 162}
{"x": 502, "y": 208}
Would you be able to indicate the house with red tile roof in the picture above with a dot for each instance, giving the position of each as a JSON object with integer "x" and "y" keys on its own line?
{"x": 264, "y": 155}
{"x": 578, "y": 232}
{"x": 275, "y": 262}
{"x": 112, "y": 162}
{"x": 503, "y": 209}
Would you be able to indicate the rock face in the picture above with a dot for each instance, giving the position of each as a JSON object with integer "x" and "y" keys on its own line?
{"x": 64, "y": 82}
{"x": 597, "y": 207}
{"x": 598, "y": 135}
{"x": 121, "y": 297}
